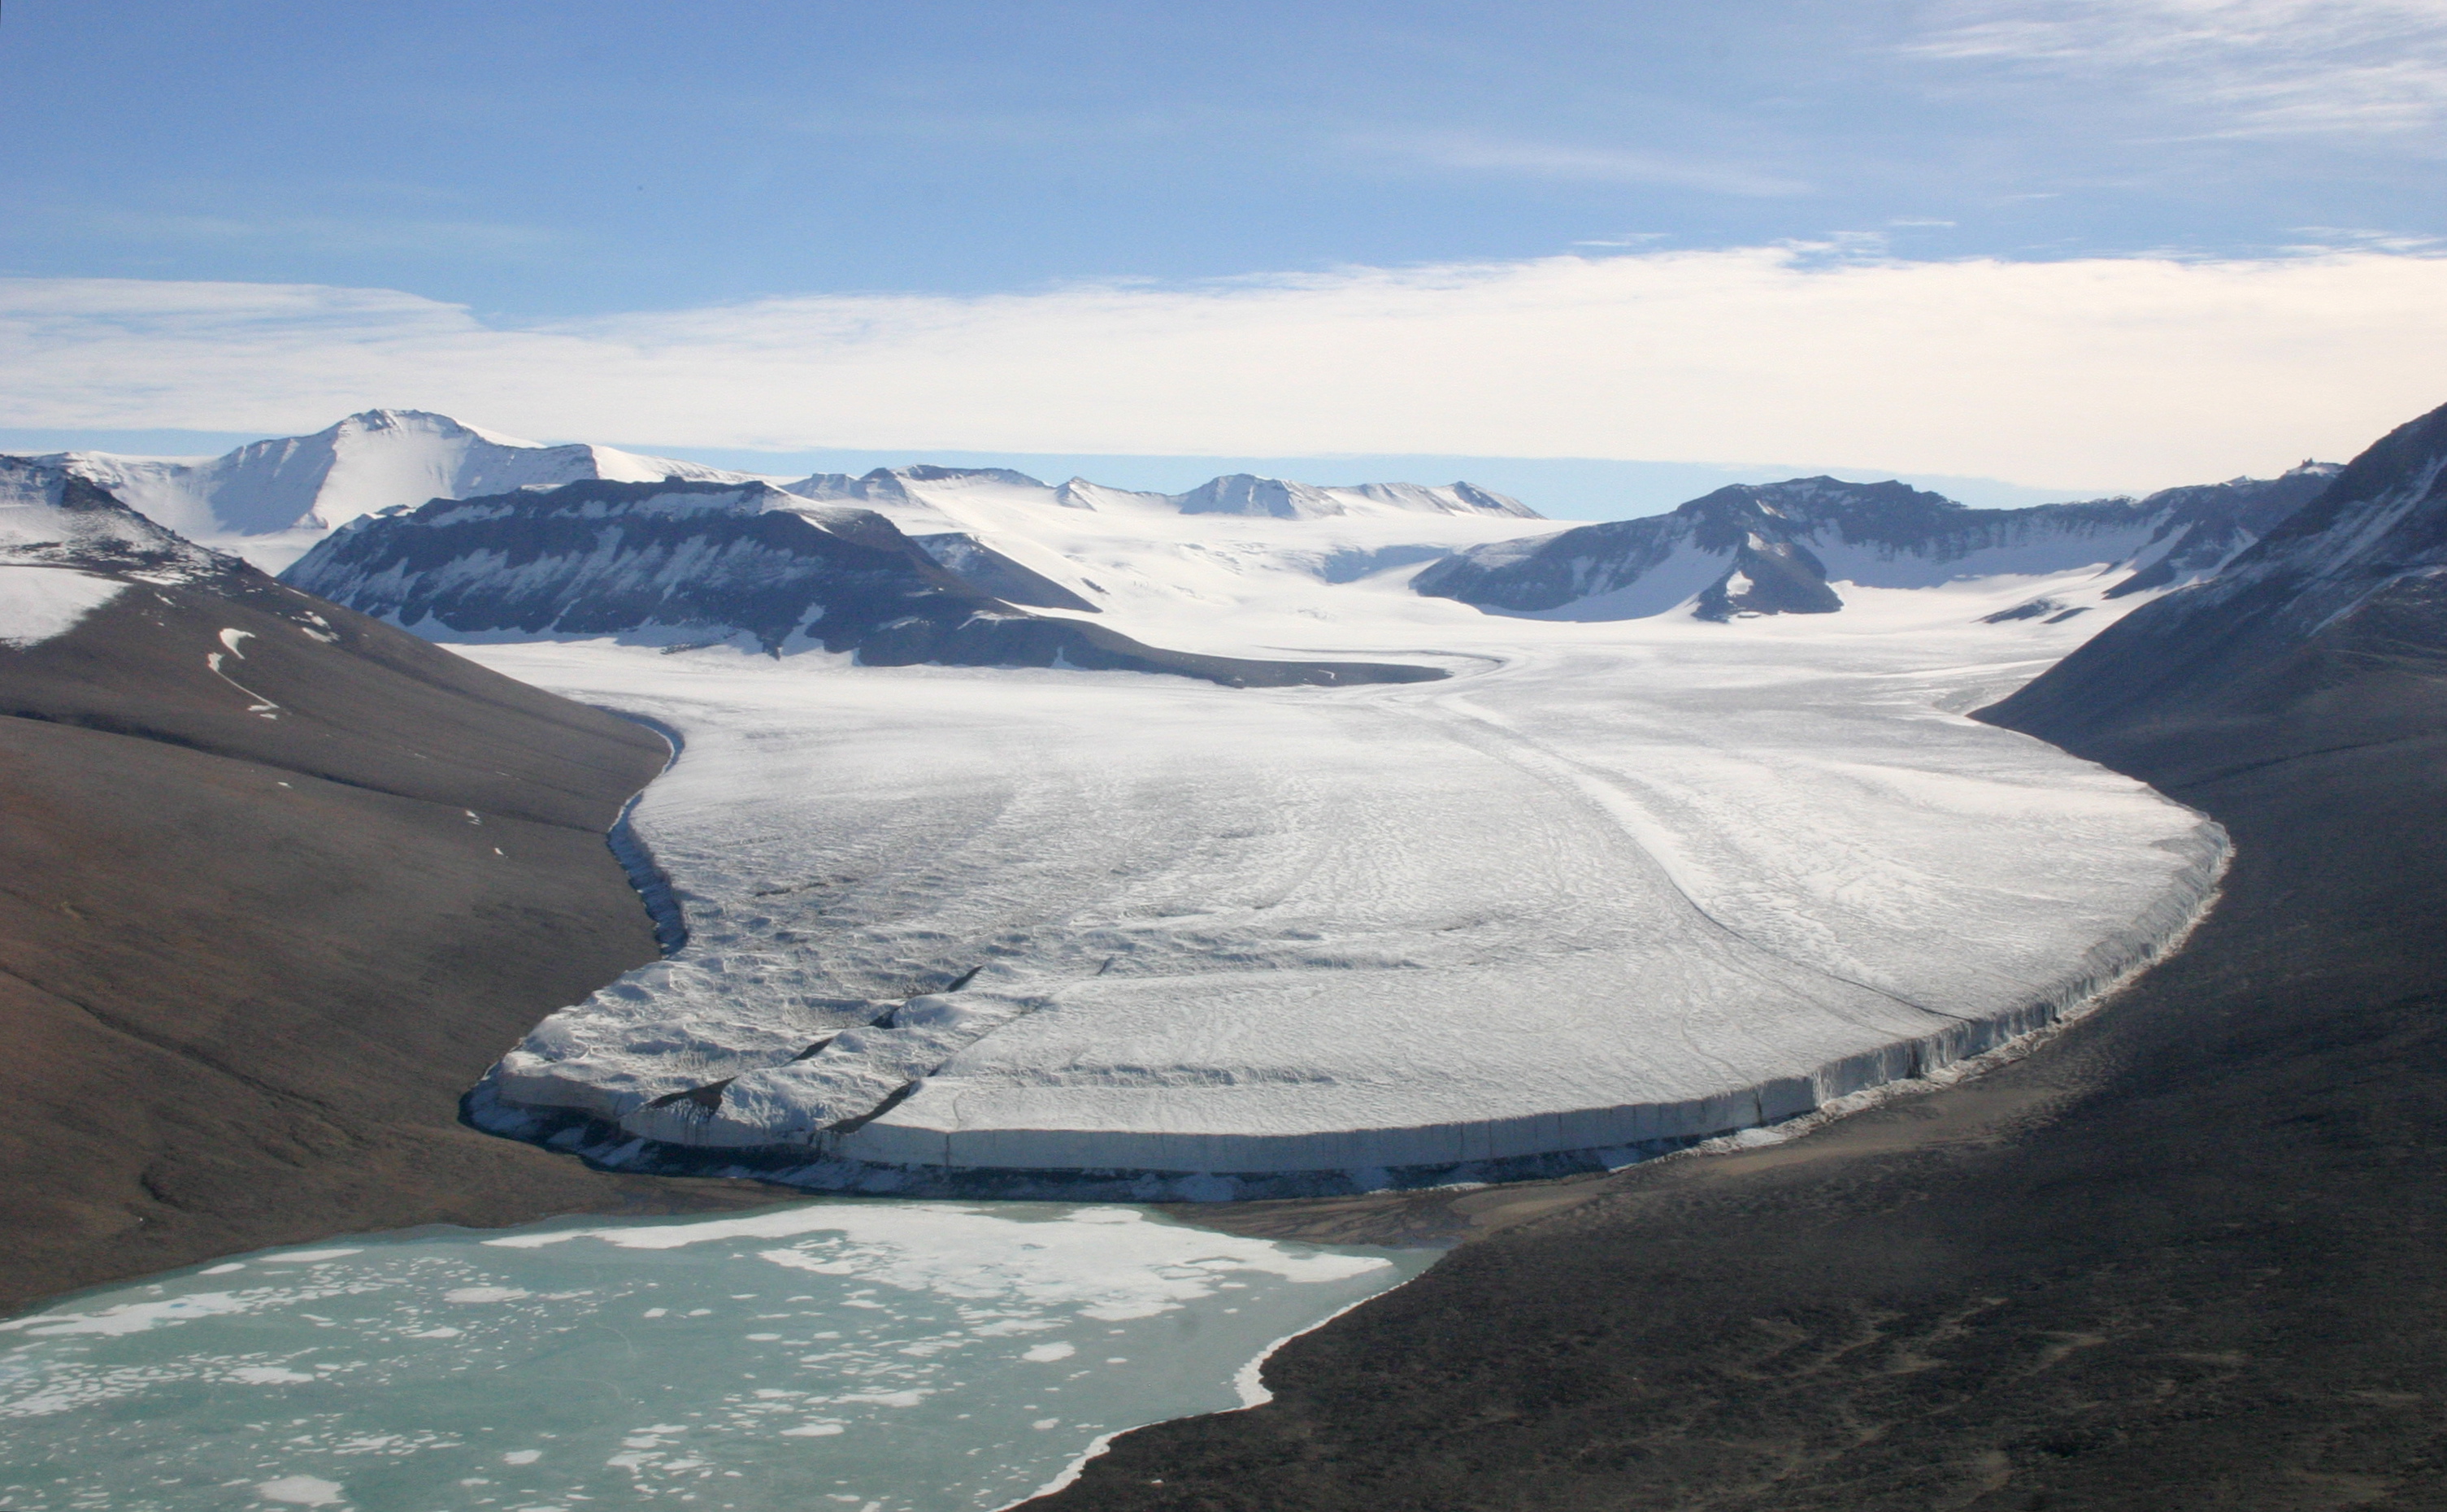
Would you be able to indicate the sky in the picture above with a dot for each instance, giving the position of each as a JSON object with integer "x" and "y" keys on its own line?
{"x": 2049, "y": 246}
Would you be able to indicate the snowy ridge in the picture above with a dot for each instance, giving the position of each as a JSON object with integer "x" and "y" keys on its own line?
{"x": 1219, "y": 569}
{"x": 2384, "y": 522}
{"x": 50, "y": 516}
{"x": 270, "y": 501}
{"x": 1777, "y": 548}
{"x": 367, "y": 461}
{"x": 1233, "y": 494}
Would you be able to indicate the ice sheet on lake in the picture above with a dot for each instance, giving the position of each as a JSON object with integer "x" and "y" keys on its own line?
{"x": 903, "y": 1356}
{"x": 1617, "y": 885}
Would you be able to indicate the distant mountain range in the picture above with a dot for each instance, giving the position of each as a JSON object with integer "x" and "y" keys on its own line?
{"x": 380, "y": 458}
{"x": 680, "y": 561}
{"x": 367, "y": 461}
{"x": 1234, "y": 494}
{"x": 420, "y": 520}
{"x": 1778, "y": 548}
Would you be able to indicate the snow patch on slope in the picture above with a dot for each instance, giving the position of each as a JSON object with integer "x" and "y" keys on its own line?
{"x": 37, "y": 603}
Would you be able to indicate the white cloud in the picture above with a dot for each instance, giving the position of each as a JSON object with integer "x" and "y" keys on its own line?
{"x": 2247, "y": 67}
{"x": 2139, "y": 370}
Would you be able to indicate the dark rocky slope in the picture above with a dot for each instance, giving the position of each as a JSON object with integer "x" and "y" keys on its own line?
{"x": 2187, "y": 1256}
{"x": 2344, "y": 597}
{"x": 247, "y": 963}
{"x": 707, "y": 560}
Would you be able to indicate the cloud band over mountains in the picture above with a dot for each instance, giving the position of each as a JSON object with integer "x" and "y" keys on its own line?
{"x": 2134, "y": 370}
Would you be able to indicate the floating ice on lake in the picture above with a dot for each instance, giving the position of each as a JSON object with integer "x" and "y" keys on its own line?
{"x": 795, "y": 1354}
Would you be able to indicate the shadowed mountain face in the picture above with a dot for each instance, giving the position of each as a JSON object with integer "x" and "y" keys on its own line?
{"x": 678, "y": 561}
{"x": 276, "y": 881}
{"x": 1773, "y": 548}
{"x": 2341, "y": 601}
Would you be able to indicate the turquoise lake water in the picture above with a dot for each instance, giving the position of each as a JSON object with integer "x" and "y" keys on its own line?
{"x": 869, "y": 1355}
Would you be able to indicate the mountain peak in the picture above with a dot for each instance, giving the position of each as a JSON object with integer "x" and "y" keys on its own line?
{"x": 420, "y": 422}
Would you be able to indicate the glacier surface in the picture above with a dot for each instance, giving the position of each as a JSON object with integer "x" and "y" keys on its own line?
{"x": 1611, "y": 887}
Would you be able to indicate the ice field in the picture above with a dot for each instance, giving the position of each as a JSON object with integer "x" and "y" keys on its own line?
{"x": 1609, "y": 887}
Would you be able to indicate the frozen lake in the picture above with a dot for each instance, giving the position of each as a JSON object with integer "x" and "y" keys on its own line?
{"x": 1609, "y": 887}
{"x": 879, "y": 1356}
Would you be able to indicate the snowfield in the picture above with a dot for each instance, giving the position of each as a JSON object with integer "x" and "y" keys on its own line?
{"x": 1611, "y": 887}
{"x": 37, "y": 603}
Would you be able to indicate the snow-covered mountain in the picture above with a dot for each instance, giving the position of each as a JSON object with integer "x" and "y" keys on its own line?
{"x": 2353, "y": 582}
{"x": 371, "y": 461}
{"x": 1235, "y": 562}
{"x": 1233, "y": 494}
{"x": 51, "y": 517}
{"x": 1777, "y": 548}
{"x": 680, "y": 562}
{"x": 272, "y": 499}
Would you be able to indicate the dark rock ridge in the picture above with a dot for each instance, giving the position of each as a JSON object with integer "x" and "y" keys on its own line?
{"x": 255, "y": 940}
{"x": 1773, "y": 548}
{"x": 982, "y": 567}
{"x": 2339, "y": 593}
{"x": 680, "y": 561}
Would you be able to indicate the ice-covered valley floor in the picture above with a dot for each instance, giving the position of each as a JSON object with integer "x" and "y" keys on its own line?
{"x": 1611, "y": 887}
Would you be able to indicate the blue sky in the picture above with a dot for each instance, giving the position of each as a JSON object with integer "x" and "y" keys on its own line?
{"x": 566, "y": 169}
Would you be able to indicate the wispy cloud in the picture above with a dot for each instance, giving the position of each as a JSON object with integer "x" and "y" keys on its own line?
{"x": 2150, "y": 370}
{"x": 1548, "y": 159}
{"x": 2250, "y": 68}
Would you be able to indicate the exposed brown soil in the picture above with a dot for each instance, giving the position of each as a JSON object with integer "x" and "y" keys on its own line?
{"x": 2188, "y": 1256}
{"x": 248, "y": 965}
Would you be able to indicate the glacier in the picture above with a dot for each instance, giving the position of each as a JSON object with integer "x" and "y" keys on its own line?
{"x": 1607, "y": 890}
{"x": 1033, "y": 838}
